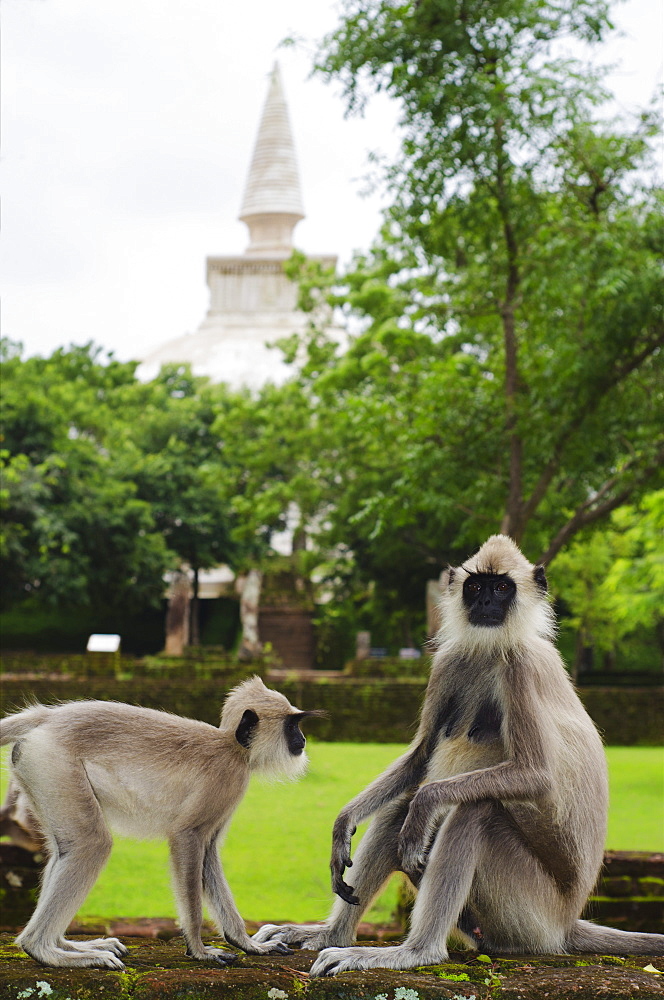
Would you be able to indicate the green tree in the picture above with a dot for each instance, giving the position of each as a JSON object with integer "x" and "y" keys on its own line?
{"x": 108, "y": 481}
{"x": 506, "y": 375}
{"x": 74, "y": 532}
{"x": 268, "y": 442}
{"x": 612, "y": 583}
{"x": 174, "y": 457}
{"x": 22, "y": 495}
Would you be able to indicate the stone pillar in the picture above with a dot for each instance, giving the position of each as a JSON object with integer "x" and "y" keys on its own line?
{"x": 362, "y": 645}
{"x": 177, "y": 616}
{"x": 433, "y": 595}
{"x": 250, "y": 646}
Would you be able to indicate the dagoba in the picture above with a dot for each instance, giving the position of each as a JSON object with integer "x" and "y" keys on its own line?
{"x": 252, "y": 302}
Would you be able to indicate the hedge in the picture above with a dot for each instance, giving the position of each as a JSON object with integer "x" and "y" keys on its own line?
{"x": 375, "y": 710}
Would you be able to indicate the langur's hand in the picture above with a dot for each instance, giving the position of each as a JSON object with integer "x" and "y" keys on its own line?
{"x": 413, "y": 841}
{"x": 341, "y": 838}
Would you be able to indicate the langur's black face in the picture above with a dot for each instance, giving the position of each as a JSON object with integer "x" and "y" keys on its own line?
{"x": 488, "y": 598}
{"x": 294, "y": 737}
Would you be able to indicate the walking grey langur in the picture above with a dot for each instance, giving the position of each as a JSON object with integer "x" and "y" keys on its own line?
{"x": 90, "y": 766}
{"x": 497, "y": 811}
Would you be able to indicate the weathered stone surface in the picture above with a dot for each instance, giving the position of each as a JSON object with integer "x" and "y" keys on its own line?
{"x": 636, "y": 864}
{"x": 589, "y": 983}
{"x": 158, "y": 970}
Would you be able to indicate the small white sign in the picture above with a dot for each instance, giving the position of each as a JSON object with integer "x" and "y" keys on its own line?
{"x": 100, "y": 642}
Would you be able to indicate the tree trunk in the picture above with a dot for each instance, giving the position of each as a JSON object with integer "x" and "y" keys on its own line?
{"x": 512, "y": 523}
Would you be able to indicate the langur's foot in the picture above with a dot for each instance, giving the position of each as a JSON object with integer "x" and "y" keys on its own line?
{"x": 313, "y": 937}
{"x": 332, "y": 961}
{"x": 97, "y": 944}
{"x": 218, "y": 955}
{"x": 70, "y": 958}
{"x": 253, "y": 947}
{"x": 269, "y": 948}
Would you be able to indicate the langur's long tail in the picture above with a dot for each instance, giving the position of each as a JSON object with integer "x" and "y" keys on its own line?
{"x": 12, "y": 727}
{"x": 587, "y": 936}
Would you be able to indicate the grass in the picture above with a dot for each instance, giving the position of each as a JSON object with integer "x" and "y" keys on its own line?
{"x": 636, "y": 810}
{"x": 277, "y": 850}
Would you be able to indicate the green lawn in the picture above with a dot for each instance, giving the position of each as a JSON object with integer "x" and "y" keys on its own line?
{"x": 277, "y": 850}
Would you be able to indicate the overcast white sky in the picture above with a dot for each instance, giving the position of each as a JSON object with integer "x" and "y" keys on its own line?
{"x": 128, "y": 127}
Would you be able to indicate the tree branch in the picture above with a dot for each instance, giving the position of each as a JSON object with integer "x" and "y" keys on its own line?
{"x": 512, "y": 523}
{"x": 574, "y": 425}
{"x": 592, "y": 509}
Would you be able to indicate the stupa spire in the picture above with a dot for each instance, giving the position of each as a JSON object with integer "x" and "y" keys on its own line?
{"x": 272, "y": 203}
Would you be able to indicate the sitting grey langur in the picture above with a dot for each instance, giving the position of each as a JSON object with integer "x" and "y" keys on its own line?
{"x": 87, "y": 766}
{"x": 497, "y": 811}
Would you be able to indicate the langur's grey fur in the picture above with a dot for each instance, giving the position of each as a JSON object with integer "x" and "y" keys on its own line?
{"x": 87, "y": 767}
{"x": 497, "y": 811}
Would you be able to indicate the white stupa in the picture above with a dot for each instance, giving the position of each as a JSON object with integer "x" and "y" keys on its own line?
{"x": 252, "y": 302}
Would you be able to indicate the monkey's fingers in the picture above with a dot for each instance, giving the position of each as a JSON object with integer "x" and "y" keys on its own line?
{"x": 345, "y": 892}
{"x": 412, "y": 855}
{"x": 342, "y": 836}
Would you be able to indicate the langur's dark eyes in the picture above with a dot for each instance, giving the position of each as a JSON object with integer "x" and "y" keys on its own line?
{"x": 502, "y": 587}
{"x": 474, "y": 588}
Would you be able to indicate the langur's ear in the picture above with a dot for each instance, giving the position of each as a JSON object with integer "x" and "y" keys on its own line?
{"x": 245, "y": 730}
{"x": 450, "y": 575}
{"x": 539, "y": 577}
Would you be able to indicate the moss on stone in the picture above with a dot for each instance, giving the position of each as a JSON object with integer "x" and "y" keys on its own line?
{"x": 156, "y": 970}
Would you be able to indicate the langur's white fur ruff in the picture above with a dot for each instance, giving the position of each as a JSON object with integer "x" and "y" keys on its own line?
{"x": 529, "y": 615}
{"x": 268, "y": 754}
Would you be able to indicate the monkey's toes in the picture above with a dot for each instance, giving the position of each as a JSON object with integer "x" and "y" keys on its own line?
{"x": 220, "y": 956}
{"x": 87, "y": 959}
{"x": 115, "y": 963}
{"x": 96, "y": 944}
{"x": 98, "y": 959}
{"x": 112, "y": 944}
{"x": 224, "y": 957}
{"x": 275, "y": 938}
{"x": 328, "y": 963}
{"x": 266, "y": 933}
{"x": 311, "y": 936}
{"x": 279, "y": 948}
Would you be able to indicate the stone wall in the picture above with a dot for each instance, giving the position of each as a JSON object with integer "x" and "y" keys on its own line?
{"x": 290, "y": 633}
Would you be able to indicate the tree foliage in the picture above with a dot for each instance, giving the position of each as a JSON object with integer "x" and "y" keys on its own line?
{"x": 107, "y": 482}
{"x": 613, "y": 581}
{"x": 503, "y": 371}
{"x": 507, "y": 372}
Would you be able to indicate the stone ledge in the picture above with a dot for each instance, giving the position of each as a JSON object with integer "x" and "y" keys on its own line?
{"x": 157, "y": 969}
